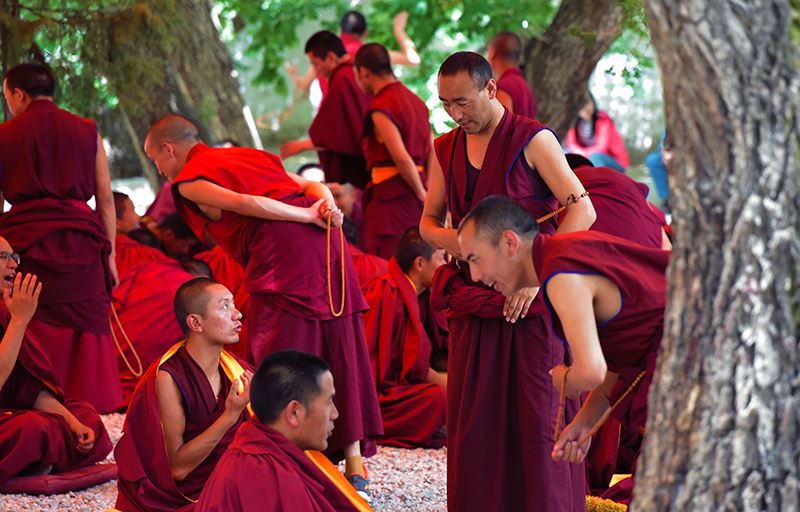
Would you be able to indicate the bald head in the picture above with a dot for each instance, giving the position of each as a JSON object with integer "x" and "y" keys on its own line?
{"x": 507, "y": 46}
{"x": 192, "y": 298}
{"x": 174, "y": 129}
{"x": 495, "y": 214}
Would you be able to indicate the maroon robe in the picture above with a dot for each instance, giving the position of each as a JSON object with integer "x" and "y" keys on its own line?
{"x": 501, "y": 402}
{"x": 285, "y": 274}
{"x": 434, "y": 321}
{"x": 391, "y": 206}
{"x": 400, "y": 351}
{"x": 337, "y": 128}
{"x": 32, "y": 439}
{"x": 144, "y": 305}
{"x": 367, "y": 266}
{"x": 47, "y": 160}
{"x": 145, "y": 481}
{"x": 130, "y": 253}
{"x": 264, "y": 471}
{"x": 631, "y": 339}
{"x": 513, "y": 82}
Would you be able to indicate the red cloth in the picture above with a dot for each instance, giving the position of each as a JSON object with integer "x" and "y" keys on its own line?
{"x": 289, "y": 306}
{"x": 145, "y": 482}
{"x": 260, "y": 459}
{"x": 501, "y": 402}
{"x": 163, "y": 205}
{"x": 608, "y": 141}
{"x": 144, "y": 305}
{"x": 337, "y": 129}
{"x": 392, "y": 206}
{"x": 33, "y": 439}
{"x": 435, "y": 323}
{"x": 352, "y": 43}
{"x": 130, "y": 253}
{"x": 400, "y": 352}
{"x": 621, "y": 206}
{"x": 367, "y": 266}
{"x": 513, "y": 82}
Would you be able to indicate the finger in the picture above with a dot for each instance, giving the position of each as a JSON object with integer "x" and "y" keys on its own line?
{"x": 234, "y": 388}
{"x": 25, "y": 283}
{"x": 17, "y": 282}
{"x": 526, "y": 305}
{"x": 31, "y": 284}
{"x": 37, "y": 291}
{"x": 507, "y": 306}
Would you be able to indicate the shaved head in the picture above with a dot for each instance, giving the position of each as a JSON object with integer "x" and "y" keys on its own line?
{"x": 192, "y": 299}
{"x": 175, "y": 129}
{"x": 507, "y": 46}
{"x": 496, "y": 214}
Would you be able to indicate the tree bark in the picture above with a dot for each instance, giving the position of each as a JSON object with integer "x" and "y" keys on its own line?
{"x": 723, "y": 422}
{"x": 560, "y": 61}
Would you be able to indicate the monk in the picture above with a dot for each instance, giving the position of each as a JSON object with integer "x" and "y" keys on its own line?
{"x": 52, "y": 163}
{"x": 265, "y": 468}
{"x": 336, "y": 130}
{"x": 500, "y": 407}
{"x": 274, "y": 224}
{"x": 176, "y": 239}
{"x": 40, "y": 432}
{"x": 145, "y": 326}
{"x": 411, "y": 394}
{"x": 129, "y": 252}
{"x": 607, "y": 297}
{"x": 187, "y": 407}
{"x": 504, "y": 53}
{"x": 397, "y": 145}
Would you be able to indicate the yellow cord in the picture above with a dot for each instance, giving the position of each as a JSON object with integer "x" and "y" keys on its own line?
{"x": 335, "y": 313}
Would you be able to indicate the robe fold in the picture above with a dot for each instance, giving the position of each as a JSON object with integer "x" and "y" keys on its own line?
{"x": 285, "y": 275}
{"x": 30, "y": 439}
{"x": 47, "y": 167}
{"x": 391, "y": 206}
{"x": 337, "y": 128}
{"x": 400, "y": 352}
{"x": 130, "y": 253}
{"x": 264, "y": 471}
{"x": 513, "y": 82}
{"x": 144, "y": 306}
{"x": 367, "y": 266}
{"x": 434, "y": 321}
{"x": 145, "y": 481}
{"x": 501, "y": 402}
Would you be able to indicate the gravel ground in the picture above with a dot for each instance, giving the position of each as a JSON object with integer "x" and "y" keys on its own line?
{"x": 402, "y": 481}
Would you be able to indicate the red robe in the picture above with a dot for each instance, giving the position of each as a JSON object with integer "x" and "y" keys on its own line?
{"x": 31, "y": 439}
{"x": 391, "y": 206}
{"x": 400, "y": 352}
{"x": 264, "y": 471}
{"x": 337, "y": 128}
{"x": 434, "y": 321}
{"x": 501, "y": 402}
{"x": 130, "y": 253}
{"x": 47, "y": 156}
{"x": 513, "y": 82}
{"x": 631, "y": 339}
{"x": 285, "y": 274}
{"x": 144, "y": 305}
{"x": 352, "y": 43}
{"x": 367, "y": 266}
{"x": 607, "y": 140}
{"x": 145, "y": 482}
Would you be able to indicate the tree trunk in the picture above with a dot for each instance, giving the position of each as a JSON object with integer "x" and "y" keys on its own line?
{"x": 560, "y": 61}
{"x": 723, "y": 423}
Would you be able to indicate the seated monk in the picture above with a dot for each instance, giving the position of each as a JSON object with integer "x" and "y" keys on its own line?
{"x": 265, "y": 468}
{"x": 130, "y": 252}
{"x": 186, "y": 408}
{"x": 606, "y": 296}
{"x": 176, "y": 239}
{"x": 39, "y": 431}
{"x": 411, "y": 394}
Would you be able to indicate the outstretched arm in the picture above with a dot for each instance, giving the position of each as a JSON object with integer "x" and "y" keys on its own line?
{"x": 407, "y": 56}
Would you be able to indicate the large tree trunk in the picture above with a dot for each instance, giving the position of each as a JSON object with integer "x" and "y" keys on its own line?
{"x": 724, "y": 421}
{"x": 560, "y": 61}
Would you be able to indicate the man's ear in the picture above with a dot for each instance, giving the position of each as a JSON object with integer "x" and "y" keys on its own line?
{"x": 419, "y": 263}
{"x": 491, "y": 89}
{"x": 194, "y": 321}
{"x": 510, "y": 240}
{"x": 294, "y": 413}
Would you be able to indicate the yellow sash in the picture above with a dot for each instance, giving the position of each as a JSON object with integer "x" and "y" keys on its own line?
{"x": 381, "y": 174}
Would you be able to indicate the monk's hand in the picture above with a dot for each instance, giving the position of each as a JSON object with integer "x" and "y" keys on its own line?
{"x": 566, "y": 447}
{"x": 329, "y": 209}
{"x": 84, "y": 435}
{"x": 518, "y": 303}
{"x": 557, "y": 373}
{"x": 23, "y": 297}
{"x": 239, "y": 395}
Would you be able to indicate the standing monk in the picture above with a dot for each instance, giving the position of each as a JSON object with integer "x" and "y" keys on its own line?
{"x": 500, "y": 407}
{"x": 397, "y": 145}
{"x": 336, "y": 130}
{"x": 504, "y": 53}
{"x": 273, "y": 223}
{"x": 52, "y": 163}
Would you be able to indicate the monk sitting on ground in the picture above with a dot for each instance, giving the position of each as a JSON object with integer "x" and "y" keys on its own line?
{"x": 187, "y": 407}
{"x": 607, "y": 298}
{"x": 411, "y": 394}
{"x": 265, "y": 468}
{"x": 130, "y": 252}
{"x": 39, "y": 432}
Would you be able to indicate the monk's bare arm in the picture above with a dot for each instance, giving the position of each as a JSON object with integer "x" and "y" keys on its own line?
{"x": 432, "y": 224}
{"x": 546, "y": 156}
{"x": 205, "y": 193}
{"x": 314, "y": 189}
{"x": 505, "y": 99}
{"x": 387, "y": 131}
{"x": 21, "y": 302}
{"x": 84, "y": 436}
{"x": 104, "y": 201}
{"x": 435, "y": 377}
{"x": 185, "y": 457}
{"x": 407, "y": 56}
{"x": 294, "y": 147}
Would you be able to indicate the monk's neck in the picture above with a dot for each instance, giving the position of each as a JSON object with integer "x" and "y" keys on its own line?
{"x": 381, "y": 83}
{"x": 205, "y": 355}
{"x": 485, "y": 135}
{"x": 501, "y": 67}
{"x": 529, "y": 275}
{"x": 416, "y": 283}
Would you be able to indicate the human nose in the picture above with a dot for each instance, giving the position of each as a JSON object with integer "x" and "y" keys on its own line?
{"x": 475, "y": 273}
{"x": 335, "y": 413}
